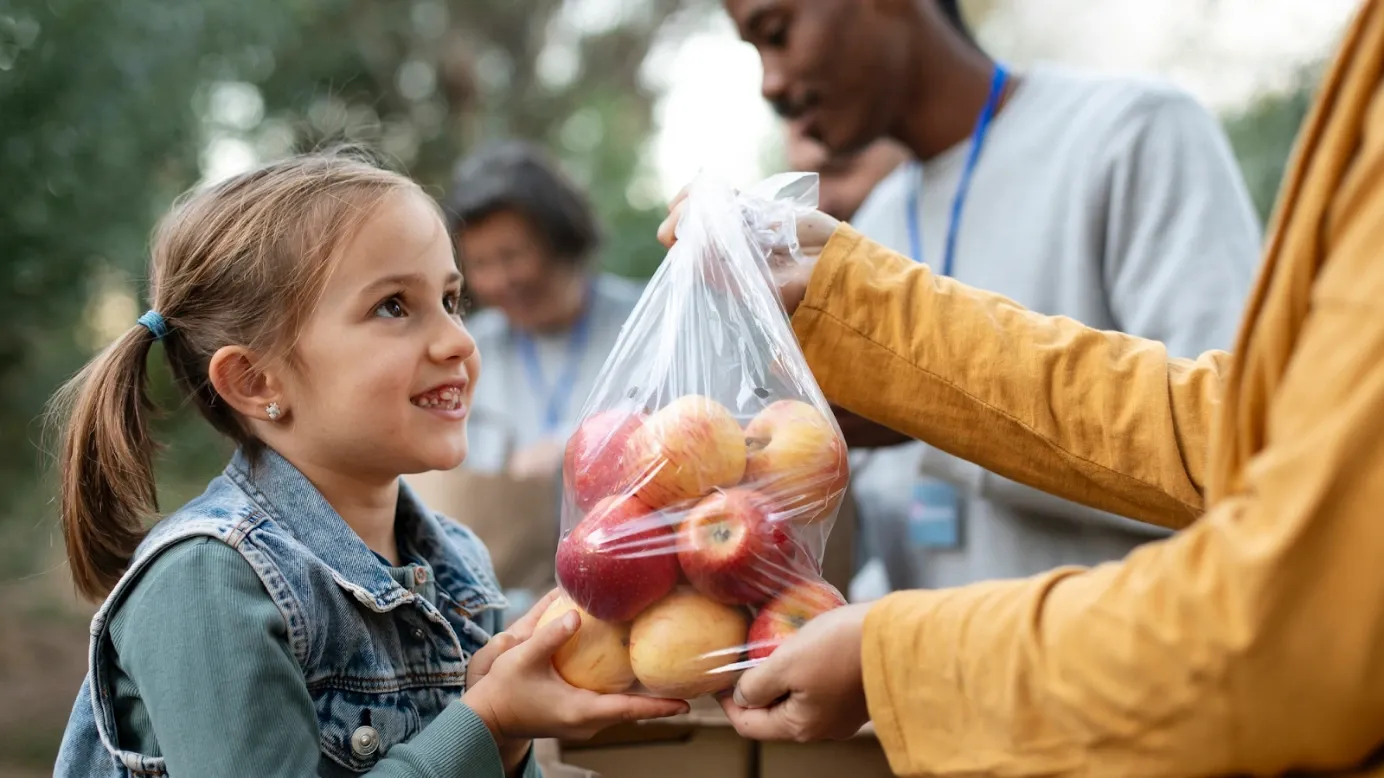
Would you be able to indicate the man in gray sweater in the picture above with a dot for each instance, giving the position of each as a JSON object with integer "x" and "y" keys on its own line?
{"x": 1114, "y": 201}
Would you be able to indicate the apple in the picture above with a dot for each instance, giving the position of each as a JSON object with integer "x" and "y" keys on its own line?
{"x": 797, "y": 460}
{"x": 594, "y": 464}
{"x": 685, "y": 645}
{"x": 618, "y": 560}
{"x": 686, "y": 449}
{"x": 597, "y": 657}
{"x": 734, "y": 552}
{"x": 787, "y": 613}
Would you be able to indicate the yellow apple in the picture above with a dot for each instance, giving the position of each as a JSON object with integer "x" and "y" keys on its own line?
{"x": 597, "y": 657}
{"x": 681, "y": 646}
{"x": 796, "y": 460}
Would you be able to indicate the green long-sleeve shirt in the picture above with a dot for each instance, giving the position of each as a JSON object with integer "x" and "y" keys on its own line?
{"x": 205, "y": 678}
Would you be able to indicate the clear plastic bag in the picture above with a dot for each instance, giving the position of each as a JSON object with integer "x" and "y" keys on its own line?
{"x": 706, "y": 472}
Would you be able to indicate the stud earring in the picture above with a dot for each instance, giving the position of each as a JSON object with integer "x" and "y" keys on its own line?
{"x": 274, "y": 411}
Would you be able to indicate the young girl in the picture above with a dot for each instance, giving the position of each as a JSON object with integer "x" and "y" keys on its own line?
{"x": 305, "y": 615}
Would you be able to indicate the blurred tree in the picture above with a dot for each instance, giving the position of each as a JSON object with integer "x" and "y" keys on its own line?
{"x": 97, "y": 132}
{"x": 1264, "y": 133}
{"x": 428, "y": 79}
{"x": 108, "y": 110}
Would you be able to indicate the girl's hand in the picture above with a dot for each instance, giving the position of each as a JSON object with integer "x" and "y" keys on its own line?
{"x": 522, "y": 697}
{"x": 518, "y": 632}
{"x": 512, "y": 752}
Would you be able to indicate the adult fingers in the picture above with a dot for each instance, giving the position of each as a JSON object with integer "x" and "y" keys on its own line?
{"x": 667, "y": 231}
{"x": 762, "y": 685}
{"x": 679, "y": 197}
{"x": 760, "y": 723}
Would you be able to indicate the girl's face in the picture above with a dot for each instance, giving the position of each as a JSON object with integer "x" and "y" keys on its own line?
{"x": 384, "y": 370}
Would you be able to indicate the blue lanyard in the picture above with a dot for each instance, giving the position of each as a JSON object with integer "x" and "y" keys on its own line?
{"x": 915, "y": 235}
{"x": 561, "y": 393}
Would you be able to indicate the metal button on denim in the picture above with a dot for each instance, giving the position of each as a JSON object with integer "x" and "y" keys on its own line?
{"x": 365, "y": 741}
{"x": 420, "y": 575}
{"x": 419, "y": 634}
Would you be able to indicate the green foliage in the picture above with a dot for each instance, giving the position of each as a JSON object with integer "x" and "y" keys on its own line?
{"x": 97, "y": 133}
{"x": 108, "y": 110}
{"x": 1264, "y": 133}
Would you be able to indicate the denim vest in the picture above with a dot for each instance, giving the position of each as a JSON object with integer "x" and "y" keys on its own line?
{"x": 380, "y": 662}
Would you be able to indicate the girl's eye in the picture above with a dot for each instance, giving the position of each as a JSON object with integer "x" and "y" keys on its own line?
{"x": 393, "y": 308}
{"x": 451, "y": 302}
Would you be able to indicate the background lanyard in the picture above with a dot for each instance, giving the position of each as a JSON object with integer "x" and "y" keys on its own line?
{"x": 915, "y": 233}
{"x": 557, "y": 399}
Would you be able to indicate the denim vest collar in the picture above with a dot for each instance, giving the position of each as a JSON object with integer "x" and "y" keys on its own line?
{"x": 294, "y": 503}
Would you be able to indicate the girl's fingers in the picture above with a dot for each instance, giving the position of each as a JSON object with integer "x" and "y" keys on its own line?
{"x": 525, "y": 626}
{"x": 545, "y": 642}
{"x": 617, "y": 708}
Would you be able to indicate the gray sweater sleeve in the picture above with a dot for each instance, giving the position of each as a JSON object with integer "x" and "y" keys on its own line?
{"x": 1182, "y": 238}
{"x": 1182, "y": 243}
{"x": 200, "y": 609}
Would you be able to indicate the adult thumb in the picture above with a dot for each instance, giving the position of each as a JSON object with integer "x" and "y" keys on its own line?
{"x": 761, "y": 686}
{"x": 550, "y": 637}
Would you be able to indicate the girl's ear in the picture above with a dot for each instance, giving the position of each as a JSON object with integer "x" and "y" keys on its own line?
{"x": 247, "y": 386}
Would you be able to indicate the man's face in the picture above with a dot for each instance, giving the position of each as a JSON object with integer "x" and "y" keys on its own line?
{"x": 832, "y": 66}
{"x": 845, "y": 179}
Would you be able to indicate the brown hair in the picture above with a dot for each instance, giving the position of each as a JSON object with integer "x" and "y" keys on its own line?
{"x": 242, "y": 262}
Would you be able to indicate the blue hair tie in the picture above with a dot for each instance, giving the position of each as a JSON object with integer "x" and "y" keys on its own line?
{"x": 155, "y": 323}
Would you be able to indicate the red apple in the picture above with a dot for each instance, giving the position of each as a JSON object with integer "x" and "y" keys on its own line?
{"x": 735, "y": 553}
{"x": 685, "y": 450}
{"x": 619, "y": 560}
{"x": 595, "y": 466}
{"x": 797, "y": 460}
{"x": 787, "y": 613}
{"x": 687, "y": 645}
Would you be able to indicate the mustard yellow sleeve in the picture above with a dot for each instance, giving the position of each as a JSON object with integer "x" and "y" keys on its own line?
{"x": 1251, "y": 642}
{"x": 1101, "y": 418}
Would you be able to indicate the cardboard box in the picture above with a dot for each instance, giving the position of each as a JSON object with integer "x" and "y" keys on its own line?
{"x": 516, "y": 519}
{"x": 698, "y": 744}
{"x": 702, "y": 744}
{"x": 549, "y": 756}
{"x": 860, "y": 757}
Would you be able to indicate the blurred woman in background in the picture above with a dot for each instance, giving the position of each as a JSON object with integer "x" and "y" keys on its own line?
{"x": 528, "y": 241}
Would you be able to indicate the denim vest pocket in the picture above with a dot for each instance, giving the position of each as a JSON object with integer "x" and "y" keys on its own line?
{"x": 359, "y": 728}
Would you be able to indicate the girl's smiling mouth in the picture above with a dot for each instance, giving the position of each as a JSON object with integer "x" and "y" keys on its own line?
{"x": 447, "y": 399}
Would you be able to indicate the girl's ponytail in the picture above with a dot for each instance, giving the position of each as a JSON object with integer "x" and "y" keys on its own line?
{"x": 241, "y": 262}
{"x": 107, "y": 490}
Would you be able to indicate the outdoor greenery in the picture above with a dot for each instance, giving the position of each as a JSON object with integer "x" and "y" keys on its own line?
{"x": 109, "y": 109}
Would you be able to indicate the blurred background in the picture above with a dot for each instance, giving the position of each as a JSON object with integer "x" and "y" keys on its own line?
{"x": 108, "y": 110}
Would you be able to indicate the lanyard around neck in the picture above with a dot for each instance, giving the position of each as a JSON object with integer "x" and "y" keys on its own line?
{"x": 915, "y": 234}
{"x": 557, "y": 399}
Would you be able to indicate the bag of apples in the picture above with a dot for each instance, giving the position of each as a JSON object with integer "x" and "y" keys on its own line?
{"x": 707, "y": 469}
